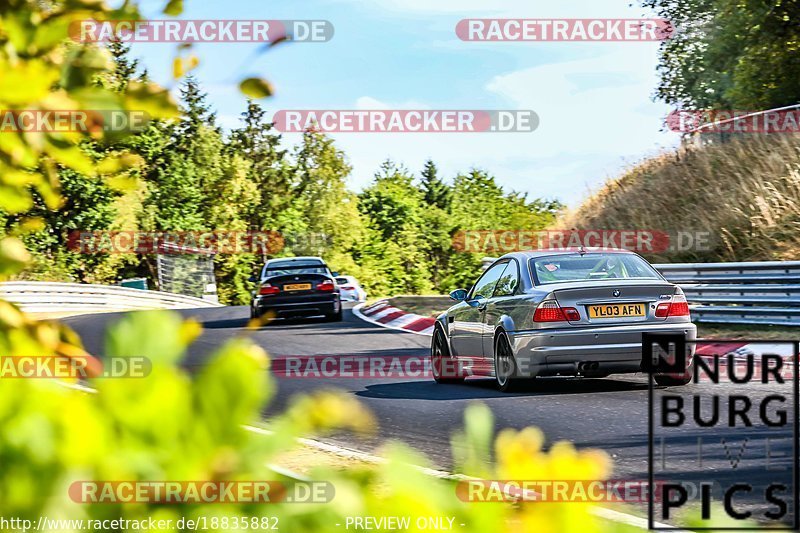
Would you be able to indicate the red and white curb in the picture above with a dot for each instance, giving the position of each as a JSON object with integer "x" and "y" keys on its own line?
{"x": 741, "y": 350}
{"x": 384, "y": 315}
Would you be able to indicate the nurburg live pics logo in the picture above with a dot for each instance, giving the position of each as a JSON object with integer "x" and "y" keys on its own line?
{"x": 737, "y": 435}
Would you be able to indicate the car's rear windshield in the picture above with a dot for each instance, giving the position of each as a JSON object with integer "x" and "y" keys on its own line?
{"x": 590, "y": 266}
{"x": 295, "y": 267}
{"x": 342, "y": 281}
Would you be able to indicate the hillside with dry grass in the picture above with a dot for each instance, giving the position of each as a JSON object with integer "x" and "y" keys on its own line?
{"x": 745, "y": 193}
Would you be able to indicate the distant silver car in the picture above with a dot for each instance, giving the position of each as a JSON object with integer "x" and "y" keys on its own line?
{"x": 559, "y": 313}
{"x": 350, "y": 289}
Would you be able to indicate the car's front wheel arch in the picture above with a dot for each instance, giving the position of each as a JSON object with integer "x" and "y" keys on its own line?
{"x": 444, "y": 366}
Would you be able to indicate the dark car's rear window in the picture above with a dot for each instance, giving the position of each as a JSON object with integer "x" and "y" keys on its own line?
{"x": 288, "y": 264}
{"x": 590, "y": 266}
{"x": 278, "y": 268}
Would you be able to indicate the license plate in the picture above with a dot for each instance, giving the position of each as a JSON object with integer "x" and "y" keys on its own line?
{"x": 297, "y": 287}
{"x": 616, "y": 310}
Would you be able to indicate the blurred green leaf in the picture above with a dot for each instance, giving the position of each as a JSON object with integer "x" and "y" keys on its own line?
{"x": 256, "y": 88}
{"x": 13, "y": 255}
{"x": 174, "y": 8}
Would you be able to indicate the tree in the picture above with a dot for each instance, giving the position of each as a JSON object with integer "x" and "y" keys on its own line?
{"x": 438, "y": 225}
{"x": 268, "y": 168}
{"x": 196, "y": 112}
{"x": 326, "y": 219}
{"x": 485, "y": 205}
{"x": 124, "y": 67}
{"x": 437, "y": 192}
{"x": 740, "y": 54}
{"x": 185, "y": 166}
{"x": 397, "y": 247}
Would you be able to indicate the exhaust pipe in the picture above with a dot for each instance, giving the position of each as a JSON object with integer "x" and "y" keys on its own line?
{"x": 588, "y": 366}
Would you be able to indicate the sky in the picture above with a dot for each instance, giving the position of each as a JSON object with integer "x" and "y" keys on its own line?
{"x": 594, "y": 99}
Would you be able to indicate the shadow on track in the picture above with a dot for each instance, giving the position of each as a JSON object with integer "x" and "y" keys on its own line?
{"x": 234, "y": 323}
{"x": 485, "y": 388}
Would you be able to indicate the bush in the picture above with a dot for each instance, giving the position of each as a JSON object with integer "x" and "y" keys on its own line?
{"x": 169, "y": 426}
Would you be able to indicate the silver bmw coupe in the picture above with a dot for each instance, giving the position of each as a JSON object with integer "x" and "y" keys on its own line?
{"x": 559, "y": 313}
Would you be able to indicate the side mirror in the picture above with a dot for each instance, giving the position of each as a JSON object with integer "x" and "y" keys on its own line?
{"x": 335, "y": 274}
{"x": 478, "y": 301}
{"x": 252, "y": 278}
{"x": 459, "y": 295}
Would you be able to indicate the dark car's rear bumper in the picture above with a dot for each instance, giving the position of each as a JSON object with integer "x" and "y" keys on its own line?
{"x": 300, "y": 305}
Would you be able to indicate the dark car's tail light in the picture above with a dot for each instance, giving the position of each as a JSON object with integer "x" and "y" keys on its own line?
{"x": 677, "y": 307}
{"x": 326, "y": 286}
{"x": 267, "y": 290}
{"x": 550, "y": 311}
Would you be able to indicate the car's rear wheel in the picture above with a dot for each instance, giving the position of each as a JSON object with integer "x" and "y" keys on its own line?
{"x": 334, "y": 317}
{"x": 674, "y": 380}
{"x": 505, "y": 366}
{"x": 443, "y": 366}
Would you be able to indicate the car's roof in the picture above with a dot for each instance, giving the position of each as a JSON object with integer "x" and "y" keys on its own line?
{"x": 528, "y": 254}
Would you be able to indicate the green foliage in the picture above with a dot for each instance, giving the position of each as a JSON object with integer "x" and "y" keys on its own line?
{"x": 730, "y": 54}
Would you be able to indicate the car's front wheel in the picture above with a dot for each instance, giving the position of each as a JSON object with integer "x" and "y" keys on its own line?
{"x": 505, "y": 366}
{"x": 443, "y": 366}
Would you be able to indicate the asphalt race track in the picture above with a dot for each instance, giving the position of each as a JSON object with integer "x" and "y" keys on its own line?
{"x": 610, "y": 413}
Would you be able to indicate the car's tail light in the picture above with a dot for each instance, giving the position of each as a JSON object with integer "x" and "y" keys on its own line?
{"x": 550, "y": 311}
{"x": 347, "y": 287}
{"x": 267, "y": 290}
{"x": 677, "y": 307}
{"x": 326, "y": 286}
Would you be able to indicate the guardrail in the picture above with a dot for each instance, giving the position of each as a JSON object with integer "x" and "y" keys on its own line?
{"x": 699, "y": 137}
{"x": 49, "y": 297}
{"x": 757, "y": 292}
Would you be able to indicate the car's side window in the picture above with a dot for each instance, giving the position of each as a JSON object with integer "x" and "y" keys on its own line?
{"x": 486, "y": 284}
{"x": 509, "y": 280}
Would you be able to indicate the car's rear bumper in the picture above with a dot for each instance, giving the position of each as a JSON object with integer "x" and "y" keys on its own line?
{"x": 307, "y": 305}
{"x": 615, "y": 349}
